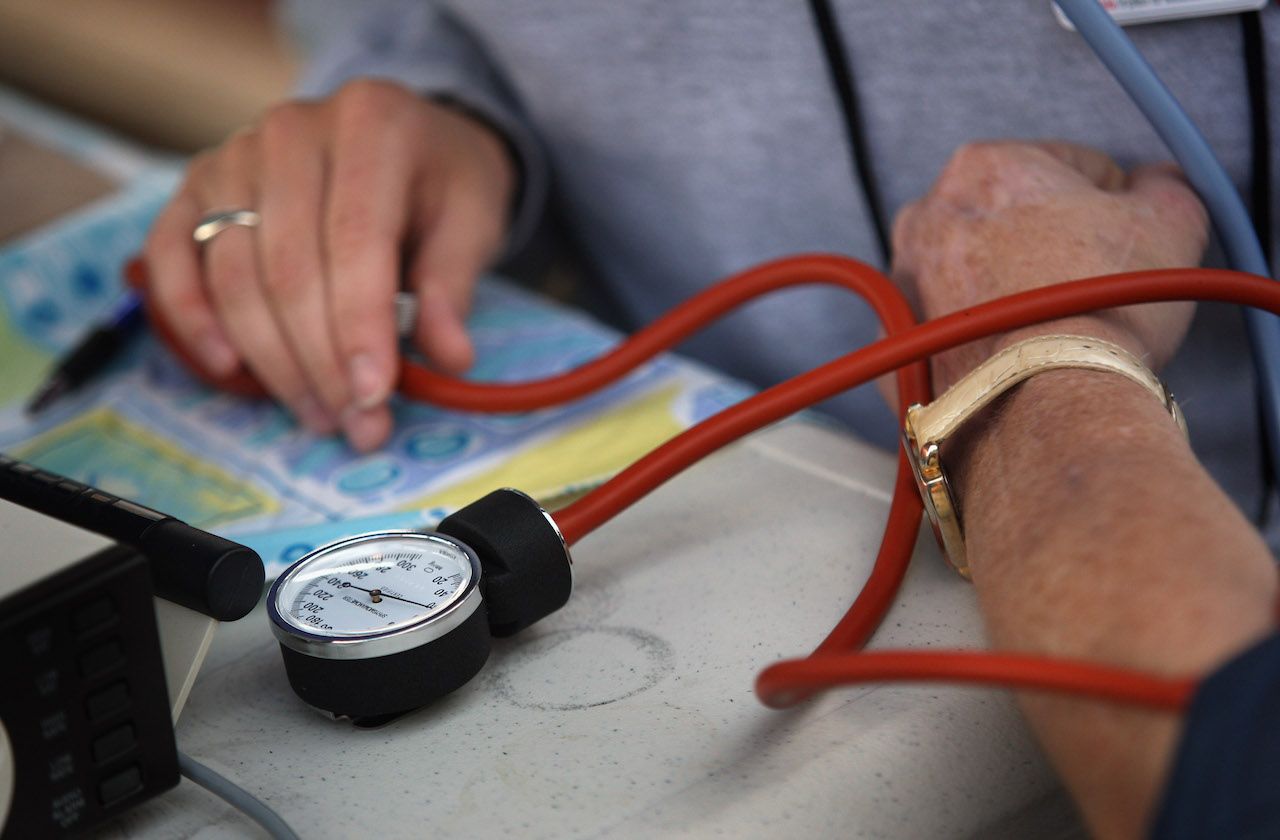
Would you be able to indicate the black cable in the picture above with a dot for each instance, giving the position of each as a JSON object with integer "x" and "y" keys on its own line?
{"x": 1255, "y": 68}
{"x": 1255, "y": 65}
{"x": 842, "y": 81}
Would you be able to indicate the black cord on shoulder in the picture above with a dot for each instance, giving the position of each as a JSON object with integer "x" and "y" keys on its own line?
{"x": 1255, "y": 68}
{"x": 843, "y": 83}
{"x": 1255, "y": 65}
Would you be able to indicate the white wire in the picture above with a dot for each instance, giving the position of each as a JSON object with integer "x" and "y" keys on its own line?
{"x": 236, "y": 796}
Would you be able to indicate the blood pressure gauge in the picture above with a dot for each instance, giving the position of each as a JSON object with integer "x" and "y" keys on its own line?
{"x": 380, "y": 624}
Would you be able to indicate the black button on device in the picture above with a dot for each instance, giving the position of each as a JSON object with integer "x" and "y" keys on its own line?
{"x": 93, "y": 615}
{"x": 108, "y": 701}
{"x": 114, "y": 744}
{"x": 101, "y": 659}
{"x": 138, "y": 510}
{"x": 120, "y": 785}
{"x": 40, "y": 641}
{"x": 47, "y": 682}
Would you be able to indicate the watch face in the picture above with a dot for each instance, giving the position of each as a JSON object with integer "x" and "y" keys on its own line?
{"x": 935, "y": 494}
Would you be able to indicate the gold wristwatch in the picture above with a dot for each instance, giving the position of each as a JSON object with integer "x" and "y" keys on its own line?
{"x": 928, "y": 426}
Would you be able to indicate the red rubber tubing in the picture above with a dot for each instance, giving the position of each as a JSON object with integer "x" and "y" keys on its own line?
{"x": 788, "y": 686}
{"x": 780, "y": 681}
{"x": 905, "y": 349}
{"x": 676, "y": 325}
{"x": 890, "y": 306}
{"x": 421, "y": 383}
{"x": 912, "y": 345}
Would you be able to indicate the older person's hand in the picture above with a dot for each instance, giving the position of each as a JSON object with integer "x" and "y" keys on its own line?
{"x": 1088, "y": 521}
{"x": 1004, "y": 217}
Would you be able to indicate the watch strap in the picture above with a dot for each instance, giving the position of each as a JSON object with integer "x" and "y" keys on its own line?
{"x": 940, "y": 419}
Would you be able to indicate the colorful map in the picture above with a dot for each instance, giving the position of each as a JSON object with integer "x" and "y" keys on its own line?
{"x": 150, "y": 432}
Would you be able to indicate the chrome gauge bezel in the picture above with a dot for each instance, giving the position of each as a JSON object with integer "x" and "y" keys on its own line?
{"x": 381, "y": 642}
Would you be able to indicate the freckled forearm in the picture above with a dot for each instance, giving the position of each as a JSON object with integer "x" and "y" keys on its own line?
{"x": 1093, "y": 533}
{"x": 1084, "y": 491}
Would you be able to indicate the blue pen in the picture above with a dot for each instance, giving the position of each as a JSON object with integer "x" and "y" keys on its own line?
{"x": 94, "y": 352}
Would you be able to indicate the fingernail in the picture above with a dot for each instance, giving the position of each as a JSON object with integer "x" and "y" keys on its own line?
{"x": 365, "y": 430}
{"x": 312, "y": 415}
{"x": 217, "y": 355}
{"x": 366, "y": 381}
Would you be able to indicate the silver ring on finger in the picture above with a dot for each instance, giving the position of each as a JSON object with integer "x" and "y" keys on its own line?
{"x": 212, "y": 224}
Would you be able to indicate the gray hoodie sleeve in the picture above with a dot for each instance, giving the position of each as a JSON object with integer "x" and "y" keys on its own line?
{"x": 422, "y": 47}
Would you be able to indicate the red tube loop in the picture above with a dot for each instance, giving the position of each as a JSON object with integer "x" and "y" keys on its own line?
{"x": 905, "y": 349}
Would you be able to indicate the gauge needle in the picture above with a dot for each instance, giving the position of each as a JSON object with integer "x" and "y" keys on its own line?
{"x": 378, "y": 594}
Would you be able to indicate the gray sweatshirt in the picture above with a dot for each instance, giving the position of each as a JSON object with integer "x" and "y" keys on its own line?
{"x": 683, "y": 141}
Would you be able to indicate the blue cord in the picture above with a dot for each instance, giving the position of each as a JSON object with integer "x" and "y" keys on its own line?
{"x": 1226, "y": 209}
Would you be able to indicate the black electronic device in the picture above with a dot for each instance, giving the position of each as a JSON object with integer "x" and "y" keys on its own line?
{"x": 106, "y": 611}
{"x": 85, "y": 723}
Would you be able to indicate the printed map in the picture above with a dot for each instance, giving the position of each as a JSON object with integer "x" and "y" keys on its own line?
{"x": 150, "y": 432}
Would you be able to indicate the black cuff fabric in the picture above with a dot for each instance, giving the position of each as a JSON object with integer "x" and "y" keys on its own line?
{"x": 1226, "y": 775}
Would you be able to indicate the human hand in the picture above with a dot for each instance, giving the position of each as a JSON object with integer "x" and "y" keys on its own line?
{"x": 1005, "y": 217}
{"x": 355, "y": 192}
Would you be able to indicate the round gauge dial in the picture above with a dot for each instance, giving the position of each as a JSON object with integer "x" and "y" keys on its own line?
{"x": 372, "y": 587}
{"x": 378, "y": 625}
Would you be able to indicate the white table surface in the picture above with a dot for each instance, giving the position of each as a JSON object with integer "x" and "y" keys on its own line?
{"x": 630, "y": 712}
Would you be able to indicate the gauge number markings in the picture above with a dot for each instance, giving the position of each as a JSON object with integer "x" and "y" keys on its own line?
{"x": 308, "y": 605}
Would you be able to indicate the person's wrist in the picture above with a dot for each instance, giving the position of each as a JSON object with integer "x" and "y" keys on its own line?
{"x": 1051, "y": 420}
{"x": 497, "y": 153}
